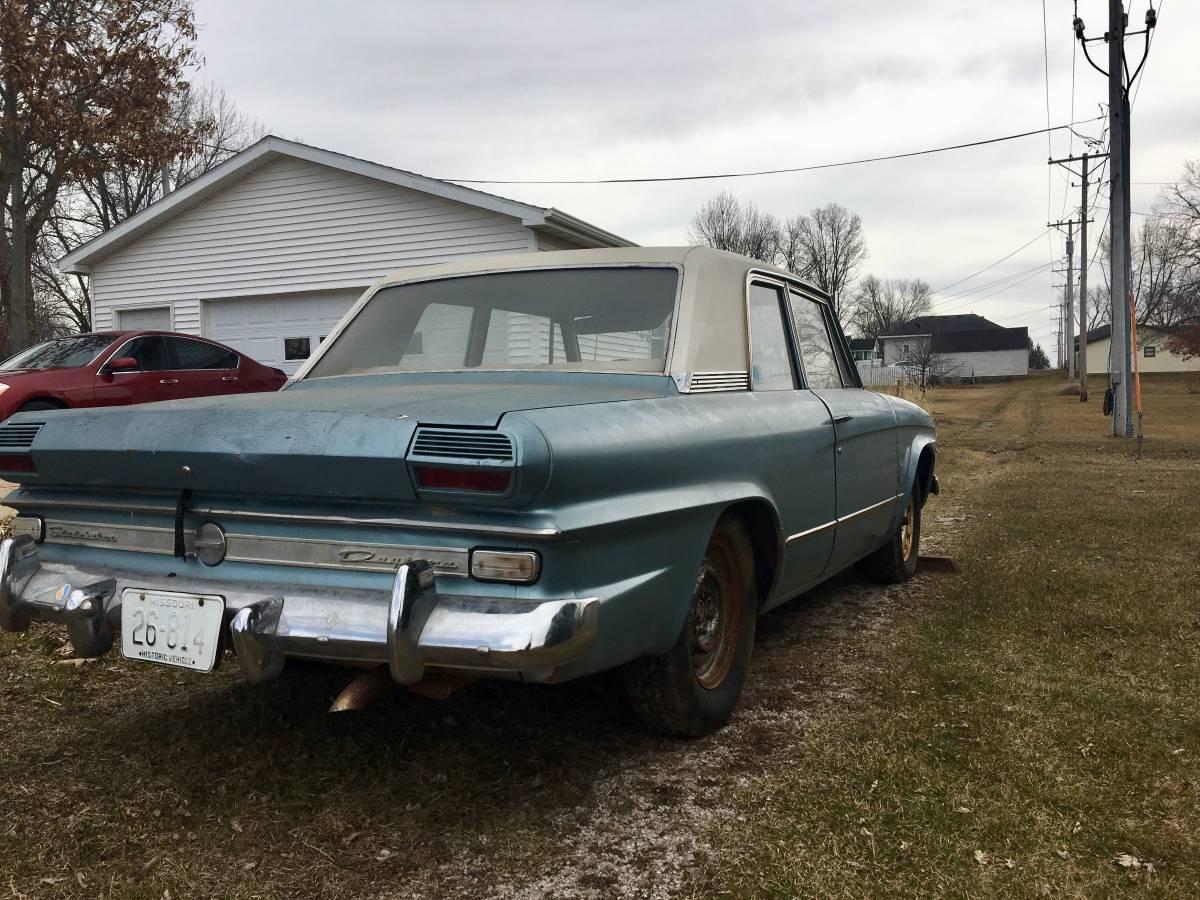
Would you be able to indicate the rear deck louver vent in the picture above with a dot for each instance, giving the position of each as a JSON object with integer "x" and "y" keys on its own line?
{"x": 712, "y": 382}
{"x": 445, "y": 443}
{"x": 19, "y": 435}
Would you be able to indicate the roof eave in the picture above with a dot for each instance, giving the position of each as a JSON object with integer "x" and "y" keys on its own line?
{"x": 269, "y": 148}
{"x": 558, "y": 222}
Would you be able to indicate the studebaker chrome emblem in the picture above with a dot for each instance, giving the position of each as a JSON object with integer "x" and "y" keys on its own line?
{"x": 75, "y": 533}
{"x": 361, "y": 556}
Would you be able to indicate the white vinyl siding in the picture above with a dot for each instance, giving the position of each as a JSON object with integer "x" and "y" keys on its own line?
{"x": 1163, "y": 359}
{"x": 987, "y": 364}
{"x": 292, "y": 226}
{"x": 982, "y": 364}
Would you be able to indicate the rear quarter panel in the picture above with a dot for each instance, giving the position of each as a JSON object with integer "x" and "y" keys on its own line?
{"x": 637, "y": 487}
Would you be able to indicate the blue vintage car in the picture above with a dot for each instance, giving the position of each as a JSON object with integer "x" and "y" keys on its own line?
{"x": 534, "y": 467}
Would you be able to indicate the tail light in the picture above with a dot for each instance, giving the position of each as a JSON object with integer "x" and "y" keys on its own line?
{"x": 472, "y": 478}
{"x": 17, "y": 462}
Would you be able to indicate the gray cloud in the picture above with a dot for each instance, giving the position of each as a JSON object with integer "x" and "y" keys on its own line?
{"x": 550, "y": 89}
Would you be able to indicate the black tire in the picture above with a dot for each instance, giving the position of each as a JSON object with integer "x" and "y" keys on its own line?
{"x": 896, "y": 561}
{"x": 693, "y": 688}
{"x": 38, "y": 406}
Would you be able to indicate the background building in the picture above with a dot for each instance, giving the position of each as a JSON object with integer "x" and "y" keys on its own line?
{"x": 268, "y": 250}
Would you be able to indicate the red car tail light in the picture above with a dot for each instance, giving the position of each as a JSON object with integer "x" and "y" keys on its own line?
{"x": 444, "y": 478}
{"x": 17, "y": 462}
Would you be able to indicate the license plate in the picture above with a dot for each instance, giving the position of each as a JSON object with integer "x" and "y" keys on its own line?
{"x": 180, "y": 630}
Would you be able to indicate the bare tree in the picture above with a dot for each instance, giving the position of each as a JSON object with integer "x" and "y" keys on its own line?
{"x": 725, "y": 224}
{"x": 106, "y": 198}
{"x": 880, "y": 306}
{"x": 83, "y": 84}
{"x": 826, "y": 246}
{"x": 924, "y": 364}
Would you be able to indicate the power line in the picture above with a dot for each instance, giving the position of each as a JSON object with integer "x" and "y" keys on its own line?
{"x": 1012, "y": 281}
{"x": 946, "y": 287}
{"x": 786, "y": 171}
{"x": 1149, "y": 43}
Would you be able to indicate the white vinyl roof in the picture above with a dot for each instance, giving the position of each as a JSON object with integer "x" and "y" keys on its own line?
{"x": 548, "y": 220}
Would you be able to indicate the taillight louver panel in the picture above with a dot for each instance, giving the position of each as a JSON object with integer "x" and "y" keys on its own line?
{"x": 442, "y": 443}
{"x": 19, "y": 435}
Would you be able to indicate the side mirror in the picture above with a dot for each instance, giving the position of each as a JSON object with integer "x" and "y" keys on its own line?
{"x": 123, "y": 364}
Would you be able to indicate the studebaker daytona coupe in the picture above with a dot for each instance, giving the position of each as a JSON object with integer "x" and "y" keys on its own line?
{"x": 534, "y": 467}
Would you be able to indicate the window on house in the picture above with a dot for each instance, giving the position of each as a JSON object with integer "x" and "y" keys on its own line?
{"x": 770, "y": 356}
{"x": 297, "y": 348}
{"x": 1148, "y": 351}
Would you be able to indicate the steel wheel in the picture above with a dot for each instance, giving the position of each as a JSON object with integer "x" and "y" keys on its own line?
{"x": 908, "y": 530}
{"x": 714, "y": 618}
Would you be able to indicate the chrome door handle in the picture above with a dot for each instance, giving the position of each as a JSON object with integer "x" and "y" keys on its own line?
{"x": 229, "y": 378}
{"x": 841, "y": 420}
{"x": 168, "y": 381}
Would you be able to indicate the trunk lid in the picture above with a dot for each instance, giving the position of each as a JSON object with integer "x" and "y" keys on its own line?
{"x": 337, "y": 437}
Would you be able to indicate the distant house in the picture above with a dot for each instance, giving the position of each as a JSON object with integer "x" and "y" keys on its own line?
{"x": 267, "y": 251}
{"x": 961, "y": 347}
{"x": 863, "y": 349}
{"x": 1154, "y": 354}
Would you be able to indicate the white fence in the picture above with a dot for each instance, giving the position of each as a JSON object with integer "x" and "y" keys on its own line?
{"x": 873, "y": 374}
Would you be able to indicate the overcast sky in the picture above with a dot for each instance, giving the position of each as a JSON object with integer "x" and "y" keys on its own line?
{"x": 616, "y": 89}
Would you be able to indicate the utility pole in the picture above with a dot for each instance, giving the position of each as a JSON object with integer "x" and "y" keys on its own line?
{"x": 1118, "y": 119}
{"x": 1082, "y": 222}
{"x": 1083, "y": 294}
{"x": 1069, "y": 317}
{"x": 1120, "y": 283}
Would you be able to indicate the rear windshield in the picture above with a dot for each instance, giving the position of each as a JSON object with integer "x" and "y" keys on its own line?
{"x": 584, "y": 319}
{"x": 63, "y": 353}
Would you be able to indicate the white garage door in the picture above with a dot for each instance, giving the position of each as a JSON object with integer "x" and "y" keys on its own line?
{"x": 277, "y": 331}
{"x": 156, "y": 319}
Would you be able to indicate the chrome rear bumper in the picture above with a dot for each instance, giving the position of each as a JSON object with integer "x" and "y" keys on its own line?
{"x": 413, "y": 629}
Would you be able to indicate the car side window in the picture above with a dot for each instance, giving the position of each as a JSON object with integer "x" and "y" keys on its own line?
{"x": 845, "y": 363}
{"x": 816, "y": 349}
{"x": 770, "y": 356}
{"x": 150, "y": 352}
{"x": 200, "y": 355}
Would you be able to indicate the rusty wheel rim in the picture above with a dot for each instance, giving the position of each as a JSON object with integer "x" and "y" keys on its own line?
{"x": 907, "y": 531}
{"x": 714, "y": 620}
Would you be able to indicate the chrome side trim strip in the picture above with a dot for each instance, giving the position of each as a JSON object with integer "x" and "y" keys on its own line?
{"x": 867, "y": 509}
{"x": 306, "y": 553}
{"x": 516, "y": 531}
{"x": 809, "y": 532}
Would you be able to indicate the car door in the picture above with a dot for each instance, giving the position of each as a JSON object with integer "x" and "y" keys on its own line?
{"x": 864, "y": 425}
{"x": 202, "y": 369}
{"x": 795, "y": 449}
{"x": 141, "y": 385}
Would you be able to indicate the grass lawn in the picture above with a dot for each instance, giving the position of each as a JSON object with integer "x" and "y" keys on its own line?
{"x": 1029, "y": 727}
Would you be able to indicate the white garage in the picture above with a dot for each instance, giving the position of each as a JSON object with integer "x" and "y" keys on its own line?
{"x": 268, "y": 250}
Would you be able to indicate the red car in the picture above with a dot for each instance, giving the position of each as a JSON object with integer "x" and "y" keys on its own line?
{"x": 114, "y": 368}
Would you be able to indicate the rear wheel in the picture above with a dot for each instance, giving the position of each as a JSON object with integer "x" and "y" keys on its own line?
{"x": 38, "y": 406}
{"x": 693, "y": 688}
{"x": 896, "y": 561}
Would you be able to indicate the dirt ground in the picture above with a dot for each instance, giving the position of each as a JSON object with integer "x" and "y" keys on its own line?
{"x": 134, "y": 781}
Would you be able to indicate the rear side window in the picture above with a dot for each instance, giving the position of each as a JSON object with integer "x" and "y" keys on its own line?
{"x": 770, "y": 356}
{"x": 201, "y": 355}
{"x": 150, "y": 352}
{"x": 816, "y": 348}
